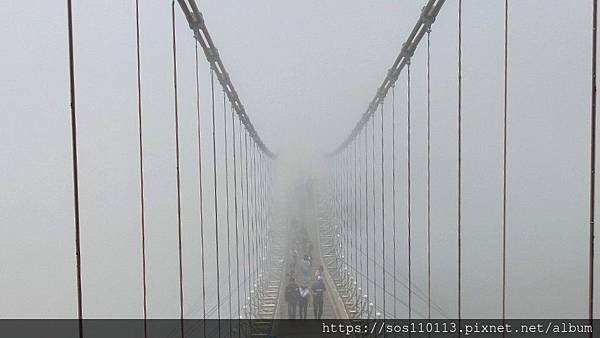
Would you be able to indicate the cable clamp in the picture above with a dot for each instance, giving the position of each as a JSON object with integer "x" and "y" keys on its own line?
{"x": 391, "y": 73}
{"x": 427, "y": 18}
{"x": 408, "y": 50}
{"x": 197, "y": 21}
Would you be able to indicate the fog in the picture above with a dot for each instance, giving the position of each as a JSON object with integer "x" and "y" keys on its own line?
{"x": 306, "y": 71}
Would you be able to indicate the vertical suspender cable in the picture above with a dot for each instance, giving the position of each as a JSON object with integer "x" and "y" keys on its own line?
{"x": 141, "y": 159}
{"x": 227, "y": 205}
{"x": 267, "y": 249}
{"x": 257, "y": 211}
{"x": 428, "y": 173}
{"x": 337, "y": 210}
{"x": 345, "y": 204}
{"x": 394, "y": 190}
{"x": 252, "y": 238}
{"x": 254, "y": 211}
{"x": 216, "y": 204}
{"x": 261, "y": 237}
{"x": 356, "y": 219}
{"x": 374, "y": 213}
{"x": 343, "y": 208}
{"x": 504, "y": 159}
{"x": 360, "y": 208}
{"x": 341, "y": 205}
{"x": 353, "y": 201}
{"x": 200, "y": 189}
{"x": 262, "y": 242}
{"x": 593, "y": 160}
{"x": 459, "y": 194}
{"x": 263, "y": 199}
{"x": 350, "y": 213}
{"x": 181, "y": 314}
{"x": 408, "y": 190}
{"x": 383, "y": 210}
{"x": 347, "y": 208}
{"x": 251, "y": 222}
{"x": 75, "y": 166}
{"x": 367, "y": 206}
{"x": 335, "y": 205}
{"x": 243, "y": 217}
{"x": 262, "y": 262}
{"x": 344, "y": 214}
{"x": 251, "y": 218}
{"x": 235, "y": 207}
{"x": 249, "y": 250}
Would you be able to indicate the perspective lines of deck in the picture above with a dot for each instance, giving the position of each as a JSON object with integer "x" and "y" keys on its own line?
{"x": 306, "y": 216}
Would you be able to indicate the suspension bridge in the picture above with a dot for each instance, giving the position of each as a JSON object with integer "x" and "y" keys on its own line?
{"x": 357, "y": 214}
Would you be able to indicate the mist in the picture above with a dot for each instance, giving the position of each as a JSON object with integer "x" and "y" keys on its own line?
{"x": 306, "y": 71}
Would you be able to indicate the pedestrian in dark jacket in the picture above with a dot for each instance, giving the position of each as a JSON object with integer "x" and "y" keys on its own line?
{"x": 292, "y": 295}
{"x": 303, "y": 301}
{"x": 318, "y": 289}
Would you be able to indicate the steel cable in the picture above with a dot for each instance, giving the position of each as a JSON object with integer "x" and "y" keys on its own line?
{"x": 394, "y": 187}
{"x": 75, "y": 165}
{"x": 216, "y": 202}
{"x": 227, "y": 205}
{"x": 181, "y": 299}
{"x": 374, "y": 213}
{"x": 408, "y": 185}
{"x": 141, "y": 169}
{"x": 428, "y": 175}
{"x": 504, "y": 159}
{"x": 200, "y": 188}
{"x": 459, "y": 193}
{"x": 235, "y": 194}
{"x": 383, "y": 207}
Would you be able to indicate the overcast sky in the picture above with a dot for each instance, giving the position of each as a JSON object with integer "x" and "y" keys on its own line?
{"x": 305, "y": 71}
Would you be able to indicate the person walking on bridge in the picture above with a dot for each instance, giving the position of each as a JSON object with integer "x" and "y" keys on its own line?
{"x": 318, "y": 289}
{"x": 303, "y": 301}
{"x": 319, "y": 271}
{"x": 292, "y": 296}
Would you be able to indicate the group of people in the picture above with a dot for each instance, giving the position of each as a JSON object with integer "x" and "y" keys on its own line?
{"x": 297, "y": 295}
{"x": 297, "y": 298}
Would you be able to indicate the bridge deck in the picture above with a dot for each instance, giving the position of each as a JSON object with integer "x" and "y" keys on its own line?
{"x": 332, "y": 307}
